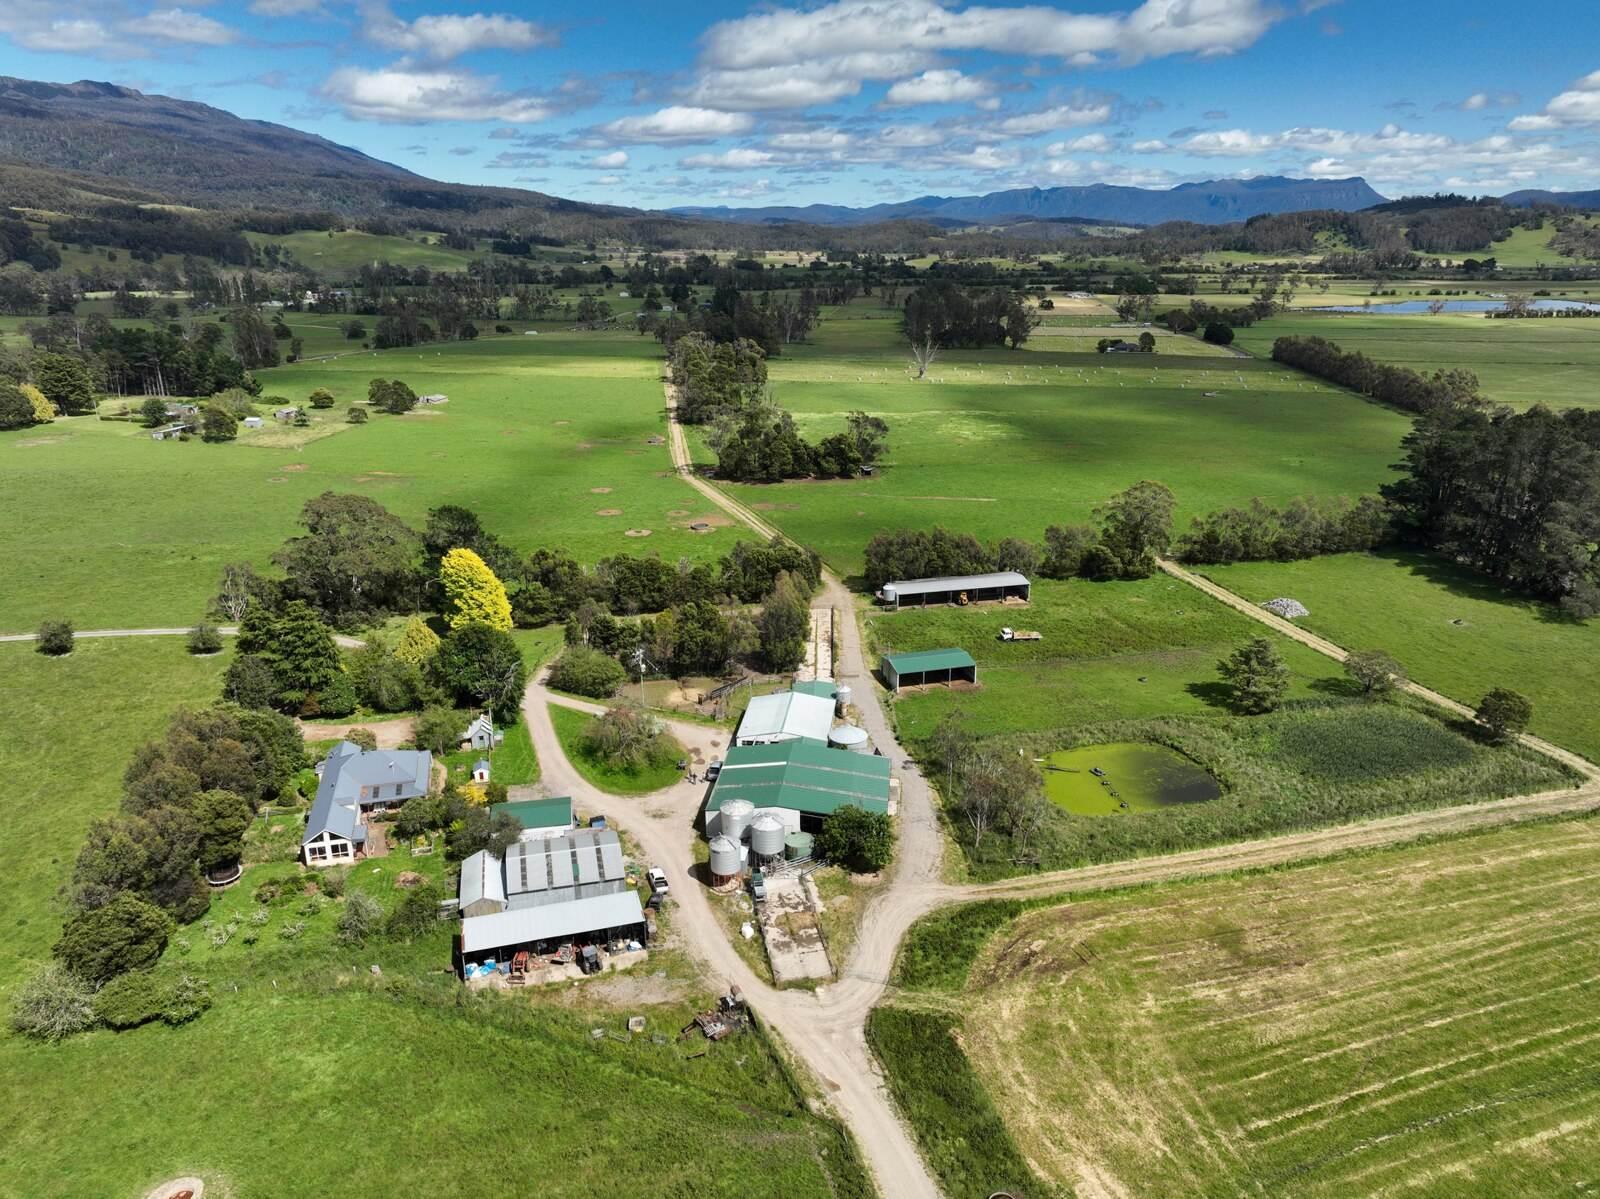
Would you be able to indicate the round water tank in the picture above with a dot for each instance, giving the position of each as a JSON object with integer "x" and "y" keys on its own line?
{"x": 849, "y": 736}
{"x": 842, "y": 696}
{"x": 766, "y": 836}
{"x": 736, "y": 814}
{"x": 726, "y": 857}
{"x": 798, "y": 845}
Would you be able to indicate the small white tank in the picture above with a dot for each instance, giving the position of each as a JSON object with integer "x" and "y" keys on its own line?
{"x": 726, "y": 857}
{"x": 841, "y": 698}
{"x": 766, "y": 836}
{"x": 850, "y": 736}
{"x": 736, "y": 816}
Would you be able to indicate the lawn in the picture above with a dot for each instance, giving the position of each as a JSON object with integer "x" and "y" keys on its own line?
{"x": 571, "y": 725}
{"x": 1002, "y": 443}
{"x": 546, "y": 438}
{"x": 512, "y": 763}
{"x": 1410, "y": 1021}
{"x": 70, "y": 725}
{"x": 1548, "y": 361}
{"x": 1452, "y": 630}
{"x": 1111, "y": 651}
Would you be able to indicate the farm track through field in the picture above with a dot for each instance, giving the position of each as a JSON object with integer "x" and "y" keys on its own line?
{"x": 826, "y": 1029}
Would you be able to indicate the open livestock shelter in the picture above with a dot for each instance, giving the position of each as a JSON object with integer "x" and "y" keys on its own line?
{"x": 998, "y": 587}
{"x": 929, "y": 666}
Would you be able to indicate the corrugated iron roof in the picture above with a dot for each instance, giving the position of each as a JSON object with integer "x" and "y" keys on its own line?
{"x": 929, "y": 659}
{"x": 802, "y": 778}
{"x": 999, "y": 578}
{"x": 552, "y": 922}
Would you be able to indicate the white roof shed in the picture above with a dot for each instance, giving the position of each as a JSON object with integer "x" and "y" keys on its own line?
{"x": 785, "y": 716}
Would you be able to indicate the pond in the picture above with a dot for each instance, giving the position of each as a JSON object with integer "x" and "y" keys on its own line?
{"x": 1402, "y": 307}
{"x": 1124, "y": 776}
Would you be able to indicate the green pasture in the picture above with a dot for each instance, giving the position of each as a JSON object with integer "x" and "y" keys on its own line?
{"x": 1544, "y": 360}
{"x": 1001, "y": 443}
{"x": 1402, "y": 1022}
{"x": 340, "y": 254}
{"x": 1111, "y": 651}
{"x": 1452, "y": 630}
{"x": 540, "y": 437}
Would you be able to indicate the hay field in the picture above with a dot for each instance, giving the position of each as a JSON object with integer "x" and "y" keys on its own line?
{"x": 1413, "y": 1022}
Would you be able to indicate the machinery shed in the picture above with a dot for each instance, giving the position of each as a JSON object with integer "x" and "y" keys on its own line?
{"x": 929, "y": 666}
{"x": 997, "y": 587}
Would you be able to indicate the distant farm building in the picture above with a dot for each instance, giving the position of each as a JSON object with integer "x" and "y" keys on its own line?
{"x": 929, "y": 666}
{"x": 252, "y": 422}
{"x": 436, "y": 398}
{"x": 786, "y": 716}
{"x": 176, "y": 408}
{"x": 171, "y": 432}
{"x": 286, "y": 415}
{"x": 1000, "y": 586}
{"x": 799, "y": 783}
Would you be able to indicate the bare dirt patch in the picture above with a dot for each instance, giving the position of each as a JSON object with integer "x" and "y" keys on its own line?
{"x": 584, "y": 445}
{"x": 294, "y": 466}
{"x": 608, "y": 511}
{"x": 563, "y": 422}
{"x": 637, "y": 533}
{"x": 707, "y": 523}
{"x": 767, "y": 506}
{"x": 32, "y": 441}
{"x": 599, "y": 491}
{"x": 378, "y": 476}
{"x": 276, "y": 479}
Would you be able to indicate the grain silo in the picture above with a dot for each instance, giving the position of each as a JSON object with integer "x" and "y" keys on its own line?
{"x": 766, "y": 836}
{"x": 727, "y": 858}
{"x": 736, "y": 815}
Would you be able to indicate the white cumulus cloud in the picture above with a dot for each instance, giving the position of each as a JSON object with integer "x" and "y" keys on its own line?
{"x": 409, "y": 95}
{"x": 442, "y": 37}
{"x": 937, "y": 87}
{"x": 677, "y": 123}
{"x": 1579, "y": 105}
{"x": 740, "y": 159}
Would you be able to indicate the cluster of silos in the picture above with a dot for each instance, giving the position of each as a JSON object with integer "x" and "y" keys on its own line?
{"x": 736, "y": 816}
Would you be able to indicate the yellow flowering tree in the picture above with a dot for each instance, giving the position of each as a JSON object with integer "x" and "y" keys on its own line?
{"x": 43, "y": 409}
{"x": 475, "y": 595}
{"x": 418, "y": 644}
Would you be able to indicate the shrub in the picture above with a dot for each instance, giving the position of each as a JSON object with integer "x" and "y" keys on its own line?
{"x": 585, "y": 671}
{"x": 1219, "y": 334}
{"x": 218, "y": 424}
{"x": 53, "y": 1004}
{"x": 438, "y": 729}
{"x": 132, "y": 1000}
{"x": 125, "y": 934}
{"x": 361, "y": 918}
{"x": 856, "y": 838}
{"x": 321, "y": 398}
{"x": 153, "y": 412}
{"x": 204, "y": 639}
{"x": 332, "y": 881}
{"x": 417, "y": 911}
{"x": 356, "y": 416}
{"x": 365, "y": 738}
{"x": 55, "y": 638}
{"x": 1376, "y": 671}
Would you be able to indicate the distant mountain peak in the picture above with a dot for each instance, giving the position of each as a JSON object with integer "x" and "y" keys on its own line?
{"x": 1212, "y": 202}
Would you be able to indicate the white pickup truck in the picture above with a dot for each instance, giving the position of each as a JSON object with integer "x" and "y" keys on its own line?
{"x": 657, "y": 878}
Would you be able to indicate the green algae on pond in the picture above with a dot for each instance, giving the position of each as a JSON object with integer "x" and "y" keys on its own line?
{"x": 1134, "y": 777}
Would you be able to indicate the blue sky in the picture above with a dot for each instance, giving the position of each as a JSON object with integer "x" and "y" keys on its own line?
{"x": 860, "y": 101}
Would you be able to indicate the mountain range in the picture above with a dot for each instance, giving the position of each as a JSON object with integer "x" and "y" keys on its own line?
{"x": 74, "y": 146}
{"x": 1216, "y": 202}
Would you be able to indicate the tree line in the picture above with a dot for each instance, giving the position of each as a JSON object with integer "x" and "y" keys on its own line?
{"x": 1397, "y": 385}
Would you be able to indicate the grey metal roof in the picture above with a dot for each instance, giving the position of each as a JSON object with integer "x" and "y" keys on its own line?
{"x": 347, "y": 769}
{"x": 581, "y": 857}
{"x": 519, "y": 926}
{"x": 999, "y": 578}
{"x": 786, "y": 714}
{"x": 481, "y": 878}
{"x": 482, "y": 724}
